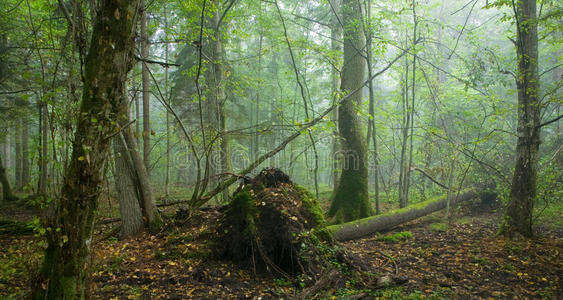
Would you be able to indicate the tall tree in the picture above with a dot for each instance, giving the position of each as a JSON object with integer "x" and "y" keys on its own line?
{"x": 350, "y": 200}
{"x": 146, "y": 88}
{"x": 26, "y": 177}
{"x": 518, "y": 216}
{"x": 110, "y": 57}
{"x": 335, "y": 46}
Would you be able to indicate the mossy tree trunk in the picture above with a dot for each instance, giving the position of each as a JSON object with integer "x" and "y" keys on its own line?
{"x": 523, "y": 190}
{"x": 63, "y": 271}
{"x": 350, "y": 200}
{"x": 366, "y": 226}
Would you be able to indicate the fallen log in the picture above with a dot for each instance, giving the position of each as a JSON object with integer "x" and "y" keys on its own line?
{"x": 366, "y": 226}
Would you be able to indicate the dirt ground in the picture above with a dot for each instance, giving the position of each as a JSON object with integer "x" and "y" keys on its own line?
{"x": 464, "y": 260}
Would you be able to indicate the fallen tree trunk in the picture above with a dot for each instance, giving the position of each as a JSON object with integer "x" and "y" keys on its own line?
{"x": 366, "y": 226}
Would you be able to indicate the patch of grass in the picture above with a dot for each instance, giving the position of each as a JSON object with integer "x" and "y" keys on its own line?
{"x": 551, "y": 215}
{"x": 399, "y": 236}
{"x": 509, "y": 267}
{"x": 438, "y": 227}
{"x": 465, "y": 221}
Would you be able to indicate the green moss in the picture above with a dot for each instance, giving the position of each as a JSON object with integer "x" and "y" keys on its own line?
{"x": 311, "y": 205}
{"x": 243, "y": 213}
{"x": 399, "y": 236}
{"x": 438, "y": 227}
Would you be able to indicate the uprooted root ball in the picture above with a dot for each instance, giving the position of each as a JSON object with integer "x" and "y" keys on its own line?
{"x": 275, "y": 225}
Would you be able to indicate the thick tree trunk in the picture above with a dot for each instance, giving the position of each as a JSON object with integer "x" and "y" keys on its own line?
{"x": 523, "y": 190}
{"x": 7, "y": 194}
{"x": 125, "y": 185}
{"x": 63, "y": 271}
{"x": 143, "y": 182}
{"x": 363, "y": 227}
{"x": 351, "y": 200}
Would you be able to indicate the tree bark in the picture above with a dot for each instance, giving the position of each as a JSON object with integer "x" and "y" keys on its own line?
{"x": 63, "y": 272}
{"x": 7, "y": 153}
{"x": 518, "y": 218}
{"x": 217, "y": 97}
{"x": 7, "y": 194}
{"x": 143, "y": 183}
{"x": 335, "y": 37}
{"x": 372, "y": 133}
{"x": 18, "y": 148}
{"x": 26, "y": 177}
{"x": 363, "y": 227}
{"x": 351, "y": 200}
{"x": 166, "y": 90}
{"x": 129, "y": 208}
{"x": 146, "y": 89}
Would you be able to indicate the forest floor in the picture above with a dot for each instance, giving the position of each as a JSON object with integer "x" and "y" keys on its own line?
{"x": 461, "y": 260}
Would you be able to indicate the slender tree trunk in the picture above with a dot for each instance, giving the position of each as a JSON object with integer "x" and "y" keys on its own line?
{"x": 44, "y": 148}
{"x": 146, "y": 89}
{"x": 351, "y": 199}
{"x": 25, "y": 154}
{"x": 335, "y": 46}
{"x": 168, "y": 146}
{"x": 18, "y": 148}
{"x": 451, "y": 191}
{"x": 216, "y": 96}
{"x": 372, "y": 134}
{"x": 518, "y": 218}
{"x": 7, "y": 153}
{"x": 403, "y": 201}
{"x": 63, "y": 272}
{"x": 255, "y": 143}
{"x": 412, "y": 108}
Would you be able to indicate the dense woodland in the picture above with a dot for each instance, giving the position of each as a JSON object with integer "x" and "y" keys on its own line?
{"x": 281, "y": 149}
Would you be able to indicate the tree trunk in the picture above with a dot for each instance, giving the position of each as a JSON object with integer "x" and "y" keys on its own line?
{"x": 43, "y": 140}
{"x": 168, "y": 145}
{"x": 63, "y": 272}
{"x": 372, "y": 134}
{"x": 351, "y": 200}
{"x": 216, "y": 96}
{"x": 18, "y": 148}
{"x": 371, "y": 225}
{"x": 336, "y": 36}
{"x": 7, "y": 194}
{"x": 143, "y": 182}
{"x": 7, "y": 153}
{"x": 125, "y": 185}
{"x": 518, "y": 216}
{"x": 146, "y": 90}
{"x": 26, "y": 177}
